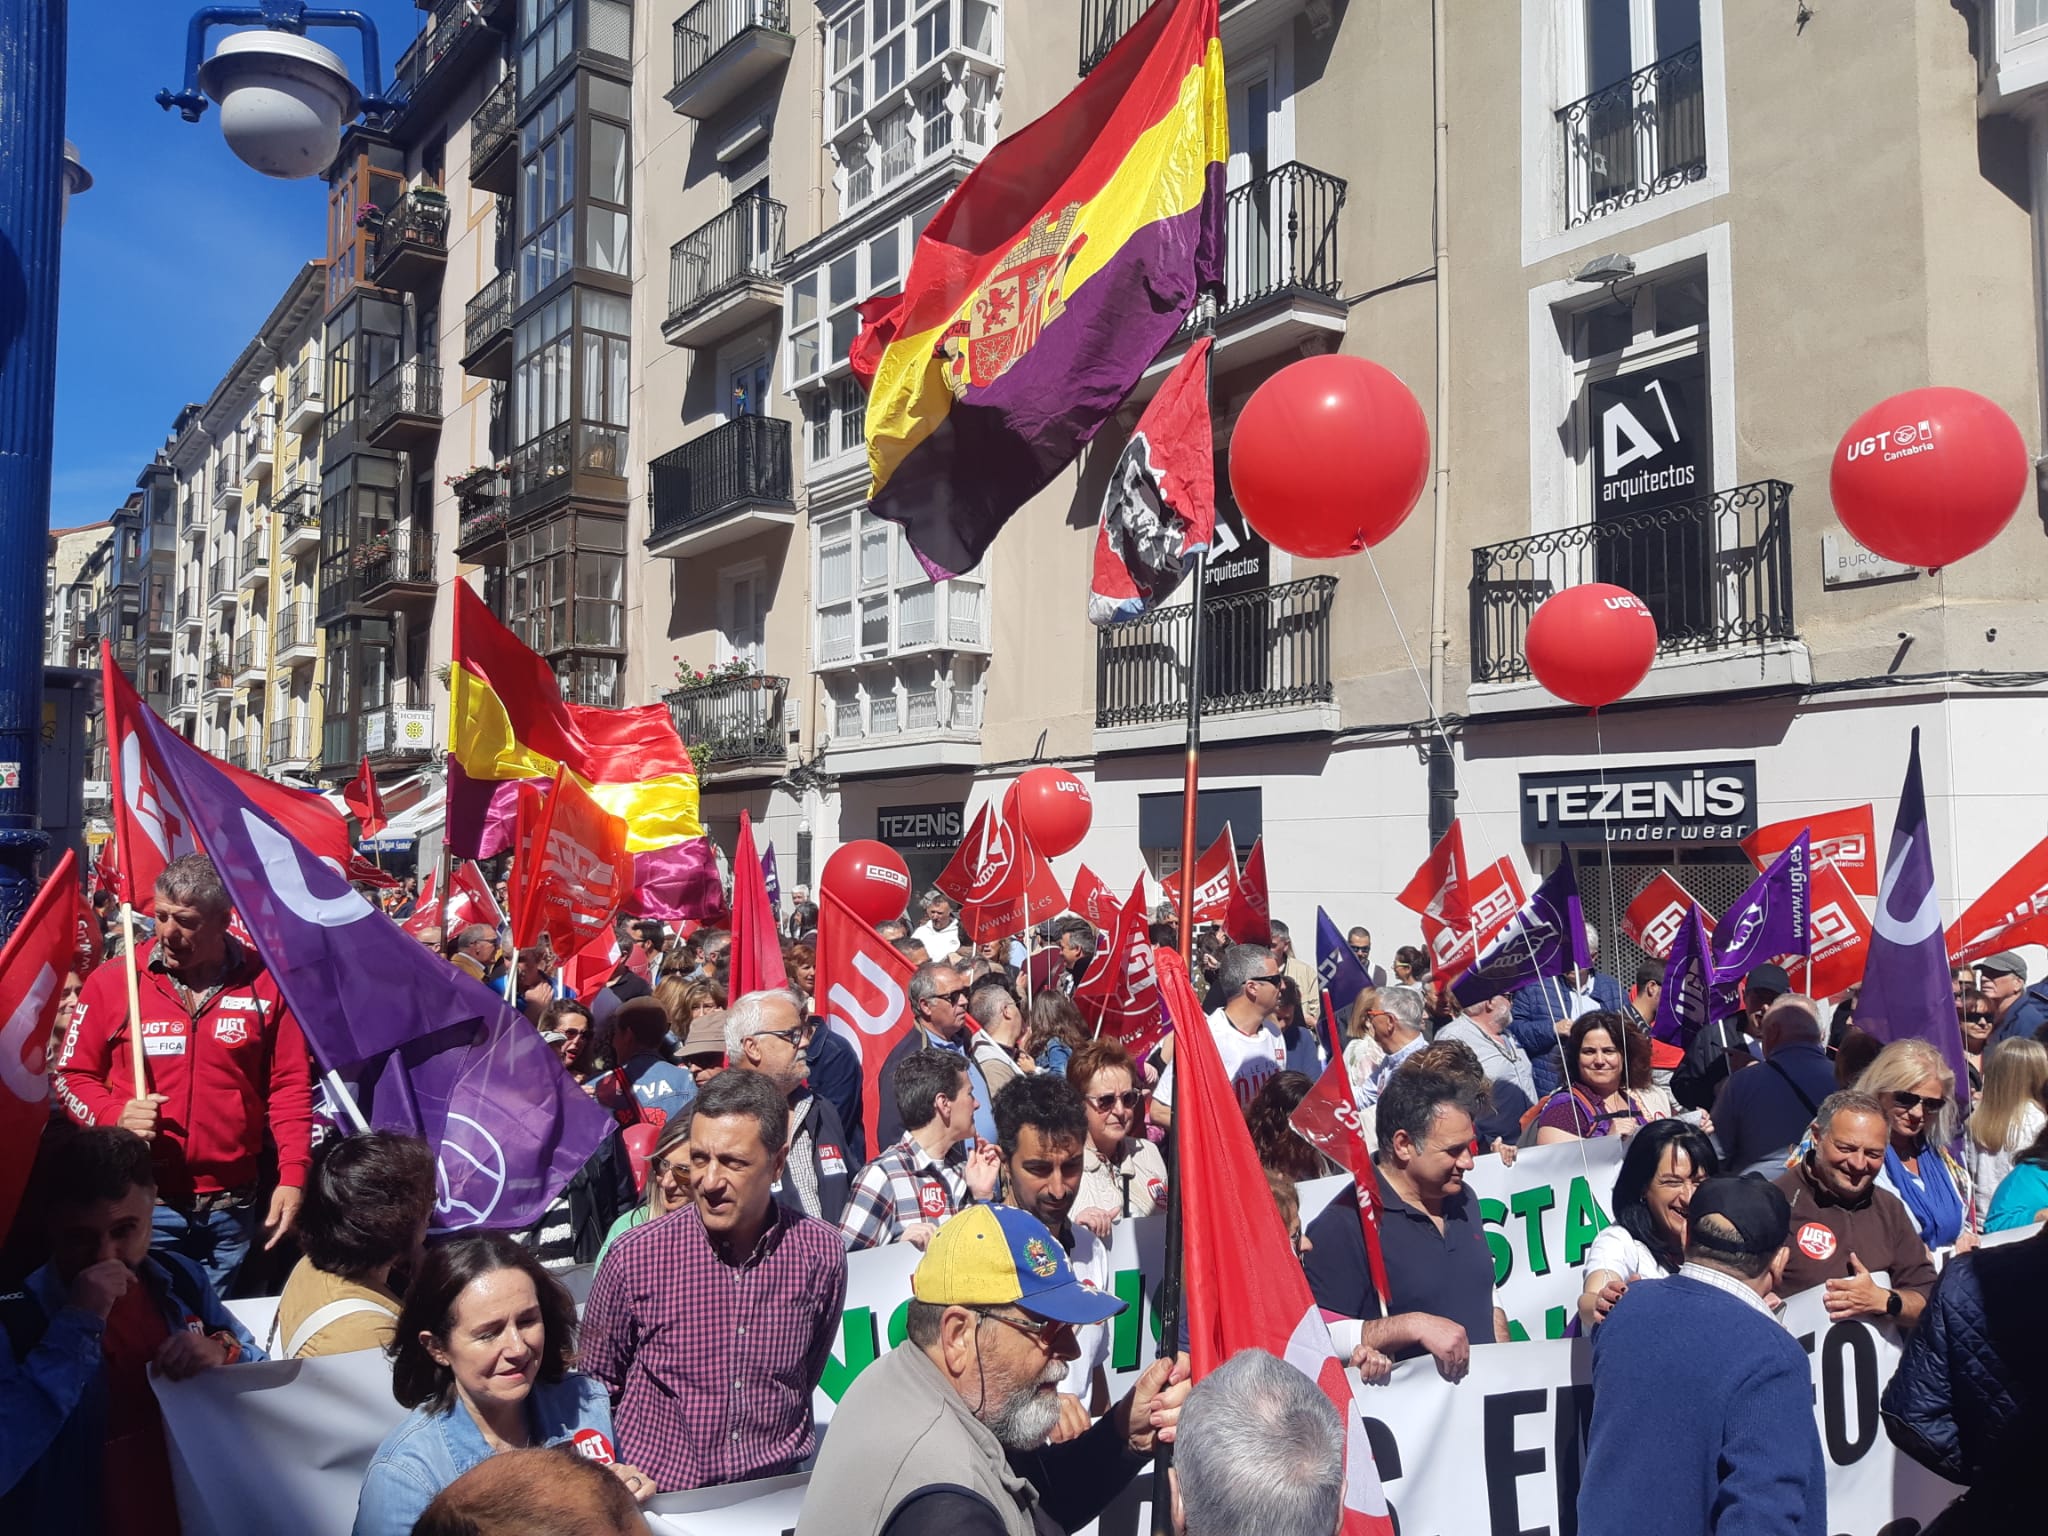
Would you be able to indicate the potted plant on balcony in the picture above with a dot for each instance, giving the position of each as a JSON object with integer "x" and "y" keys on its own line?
{"x": 372, "y": 551}
{"x": 739, "y": 671}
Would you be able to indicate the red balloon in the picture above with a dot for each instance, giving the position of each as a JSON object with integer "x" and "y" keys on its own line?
{"x": 1052, "y": 806}
{"x": 1929, "y": 476}
{"x": 1329, "y": 455}
{"x": 871, "y": 878}
{"x": 1590, "y": 645}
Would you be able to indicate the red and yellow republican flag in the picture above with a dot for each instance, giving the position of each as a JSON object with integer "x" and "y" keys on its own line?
{"x": 1045, "y": 286}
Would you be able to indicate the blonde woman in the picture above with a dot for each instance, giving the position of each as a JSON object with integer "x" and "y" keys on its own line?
{"x": 1361, "y": 1052}
{"x": 1918, "y": 1090}
{"x": 2010, "y": 1115}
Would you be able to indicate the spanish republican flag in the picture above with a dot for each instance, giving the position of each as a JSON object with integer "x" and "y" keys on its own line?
{"x": 1044, "y": 288}
{"x": 508, "y": 720}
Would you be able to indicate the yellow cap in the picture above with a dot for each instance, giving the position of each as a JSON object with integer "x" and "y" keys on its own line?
{"x": 968, "y": 1263}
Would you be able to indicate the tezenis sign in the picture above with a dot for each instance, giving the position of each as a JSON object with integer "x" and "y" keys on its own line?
{"x": 1657, "y": 803}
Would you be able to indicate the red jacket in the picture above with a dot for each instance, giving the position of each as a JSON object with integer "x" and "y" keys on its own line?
{"x": 238, "y": 1064}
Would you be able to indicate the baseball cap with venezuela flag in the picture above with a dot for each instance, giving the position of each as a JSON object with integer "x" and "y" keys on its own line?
{"x": 997, "y": 1255}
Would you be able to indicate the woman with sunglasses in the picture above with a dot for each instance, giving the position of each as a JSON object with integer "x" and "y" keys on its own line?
{"x": 668, "y": 1182}
{"x": 1122, "y": 1174}
{"x": 1973, "y": 1013}
{"x": 1918, "y": 1090}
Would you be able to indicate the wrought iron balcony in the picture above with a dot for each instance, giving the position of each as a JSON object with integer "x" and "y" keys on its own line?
{"x": 259, "y": 449}
{"x": 304, "y": 402}
{"x": 251, "y": 654}
{"x": 487, "y": 330}
{"x": 572, "y": 458}
{"x": 1262, "y": 650}
{"x": 732, "y": 481}
{"x": 298, "y": 639}
{"x": 188, "y": 608}
{"x": 411, "y": 243}
{"x": 185, "y": 692}
{"x": 291, "y": 741}
{"x": 403, "y": 408}
{"x": 1716, "y": 571}
{"x": 218, "y": 676}
{"x": 298, "y": 521}
{"x": 721, "y": 276}
{"x": 722, "y": 47}
{"x": 1634, "y": 139}
{"x": 732, "y": 720}
{"x": 493, "y": 134}
{"x": 255, "y": 556}
{"x": 483, "y": 500}
{"x": 227, "y": 479}
{"x": 396, "y": 569}
{"x": 456, "y": 39}
{"x": 220, "y": 584}
{"x": 1280, "y": 237}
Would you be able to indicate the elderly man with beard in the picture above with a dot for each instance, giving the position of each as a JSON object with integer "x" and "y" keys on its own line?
{"x": 946, "y": 1434}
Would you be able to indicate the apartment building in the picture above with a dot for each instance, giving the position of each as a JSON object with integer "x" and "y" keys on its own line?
{"x": 1652, "y": 268}
{"x": 70, "y": 610}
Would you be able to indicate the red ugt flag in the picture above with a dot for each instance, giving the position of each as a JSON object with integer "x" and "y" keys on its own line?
{"x": 863, "y": 992}
{"x": 1243, "y": 1286}
{"x": 1092, "y": 899}
{"x": 1437, "y": 889}
{"x": 1118, "y": 994}
{"x": 571, "y": 870}
{"x": 1000, "y": 881}
{"x": 360, "y": 795}
{"x": 1250, "y": 918}
{"x": 1847, "y": 837}
{"x": 32, "y": 968}
{"x": 1327, "y": 1119}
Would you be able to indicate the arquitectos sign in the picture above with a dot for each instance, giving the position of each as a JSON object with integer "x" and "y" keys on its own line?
{"x": 1654, "y": 803}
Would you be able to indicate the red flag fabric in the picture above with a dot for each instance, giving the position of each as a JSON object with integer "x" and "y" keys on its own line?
{"x": 1215, "y": 880}
{"x": 862, "y": 992}
{"x": 90, "y": 948}
{"x": 1848, "y": 837}
{"x": 426, "y": 912}
{"x": 1493, "y": 896}
{"x": 2011, "y": 912}
{"x": 32, "y": 968}
{"x": 1092, "y": 899}
{"x": 571, "y": 869}
{"x": 1242, "y": 1285}
{"x": 756, "y": 941}
{"x": 1160, "y": 506}
{"x": 470, "y": 900}
{"x": 1653, "y": 919}
{"x": 106, "y": 870}
{"x": 360, "y": 795}
{"x": 1327, "y": 1119}
{"x": 1439, "y": 888}
{"x": 1118, "y": 994}
{"x": 1249, "y": 919}
{"x": 999, "y": 881}
{"x": 1839, "y": 931}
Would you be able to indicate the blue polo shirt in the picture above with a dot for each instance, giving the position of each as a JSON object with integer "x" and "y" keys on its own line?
{"x": 1447, "y": 1273}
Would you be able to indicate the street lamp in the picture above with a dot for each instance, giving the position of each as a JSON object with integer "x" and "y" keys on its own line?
{"x": 284, "y": 99}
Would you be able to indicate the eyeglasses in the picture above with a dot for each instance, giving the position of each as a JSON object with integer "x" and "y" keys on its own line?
{"x": 661, "y": 1167}
{"x": 797, "y": 1038}
{"x": 1912, "y": 1101}
{"x": 1042, "y": 1331}
{"x": 1103, "y": 1103}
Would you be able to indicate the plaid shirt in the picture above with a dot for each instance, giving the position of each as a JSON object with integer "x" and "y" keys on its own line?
{"x": 905, "y": 1184}
{"x": 710, "y": 1364}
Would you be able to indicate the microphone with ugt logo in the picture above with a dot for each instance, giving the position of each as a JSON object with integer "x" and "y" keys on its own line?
{"x": 1327, "y": 1118}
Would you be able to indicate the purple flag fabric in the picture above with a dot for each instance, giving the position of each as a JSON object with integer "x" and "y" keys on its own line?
{"x": 677, "y": 882}
{"x": 1682, "y": 1002}
{"x": 423, "y": 1048}
{"x": 1906, "y": 988}
{"x": 1340, "y": 974}
{"x": 770, "y": 879}
{"x": 1768, "y": 923}
{"x": 1547, "y": 937}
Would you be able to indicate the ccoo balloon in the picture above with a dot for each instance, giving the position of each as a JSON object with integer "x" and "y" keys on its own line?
{"x": 871, "y": 878}
{"x": 1929, "y": 476}
{"x": 1591, "y": 645}
{"x": 1328, "y": 456}
{"x": 1052, "y": 806}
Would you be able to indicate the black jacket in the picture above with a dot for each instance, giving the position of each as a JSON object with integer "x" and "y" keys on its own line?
{"x": 832, "y": 1161}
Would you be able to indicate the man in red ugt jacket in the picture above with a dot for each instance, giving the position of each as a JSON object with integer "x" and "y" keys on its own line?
{"x": 225, "y": 1058}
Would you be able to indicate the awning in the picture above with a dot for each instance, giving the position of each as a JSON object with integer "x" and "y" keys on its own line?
{"x": 405, "y": 829}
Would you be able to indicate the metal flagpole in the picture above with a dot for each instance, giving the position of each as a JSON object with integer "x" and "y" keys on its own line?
{"x": 1170, "y": 1279}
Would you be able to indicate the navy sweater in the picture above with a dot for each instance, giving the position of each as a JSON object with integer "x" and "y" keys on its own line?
{"x": 1702, "y": 1420}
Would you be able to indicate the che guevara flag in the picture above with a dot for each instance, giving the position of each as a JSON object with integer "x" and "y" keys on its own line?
{"x": 1243, "y": 1287}
{"x": 1045, "y": 286}
{"x": 1160, "y": 507}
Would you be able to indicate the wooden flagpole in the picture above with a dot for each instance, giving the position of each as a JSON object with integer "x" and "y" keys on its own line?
{"x": 136, "y": 1053}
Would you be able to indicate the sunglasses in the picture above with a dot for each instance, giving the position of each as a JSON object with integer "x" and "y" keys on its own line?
{"x": 1361, "y": 949}
{"x": 1043, "y": 1332}
{"x": 1978, "y": 1016}
{"x": 955, "y": 998}
{"x": 1911, "y": 1101}
{"x": 1103, "y": 1103}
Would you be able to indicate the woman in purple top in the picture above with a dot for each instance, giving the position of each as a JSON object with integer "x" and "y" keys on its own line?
{"x": 1596, "y": 1100}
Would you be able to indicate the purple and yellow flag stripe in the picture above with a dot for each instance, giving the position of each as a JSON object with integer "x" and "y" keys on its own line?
{"x": 1046, "y": 285}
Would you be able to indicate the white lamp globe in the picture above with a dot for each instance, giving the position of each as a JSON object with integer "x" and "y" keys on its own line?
{"x": 283, "y": 100}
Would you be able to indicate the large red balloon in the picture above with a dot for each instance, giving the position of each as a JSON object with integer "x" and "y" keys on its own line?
{"x": 1052, "y": 806}
{"x": 871, "y": 878}
{"x": 1592, "y": 644}
{"x": 1329, "y": 456}
{"x": 1929, "y": 476}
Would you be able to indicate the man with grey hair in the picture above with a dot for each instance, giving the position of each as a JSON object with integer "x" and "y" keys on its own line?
{"x": 226, "y": 1064}
{"x": 1259, "y": 1448}
{"x": 1246, "y": 991}
{"x": 938, "y": 995}
{"x": 766, "y": 1032}
{"x": 940, "y": 933}
{"x": 1762, "y": 1111}
{"x": 1396, "y": 1027}
{"x": 478, "y": 952}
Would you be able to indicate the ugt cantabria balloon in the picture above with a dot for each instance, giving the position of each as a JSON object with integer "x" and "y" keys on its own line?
{"x": 871, "y": 878}
{"x": 1329, "y": 455}
{"x": 1929, "y": 476}
{"x": 1591, "y": 645}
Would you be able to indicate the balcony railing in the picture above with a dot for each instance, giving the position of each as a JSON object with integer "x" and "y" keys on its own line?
{"x": 443, "y": 56}
{"x": 1634, "y": 139}
{"x": 250, "y": 651}
{"x": 418, "y": 227}
{"x": 541, "y": 469}
{"x": 227, "y": 480}
{"x": 493, "y": 127}
{"x": 732, "y": 720}
{"x": 483, "y": 502}
{"x": 741, "y": 245}
{"x": 295, "y": 626}
{"x": 188, "y": 607}
{"x": 217, "y": 676}
{"x": 411, "y": 388}
{"x": 402, "y": 556}
{"x": 488, "y": 315}
{"x": 1103, "y": 22}
{"x": 291, "y": 741}
{"x": 256, "y": 550}
{"x": 1261, "y": 650}
{"x": 703, "y": 31}
{"x": 1280, "y": 236}
{"x": 302, "y": 390}
{"x": 221, "y": 579}
{"x": 743, "y": 463}
{"x": 1716, "y": 572}
{"x": 184, "y": 692}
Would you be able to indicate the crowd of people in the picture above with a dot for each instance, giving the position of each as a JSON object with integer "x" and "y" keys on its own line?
{"x": 1783, "y": 1151}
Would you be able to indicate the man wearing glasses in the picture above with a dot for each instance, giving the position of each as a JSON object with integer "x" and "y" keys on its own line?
{"x": 1247, "y": 981}
{"x": 1844, "y": 1227}
{"x": 938, "y": 1013}
{"x": 1360, "y": 942}
{"x": 947, "y": 1432}
{"x": 1301, "y": 972}
{"x": 765, "y": 1033}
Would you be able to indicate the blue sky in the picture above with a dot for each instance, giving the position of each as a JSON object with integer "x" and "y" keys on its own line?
{"x": 177, "y": 253}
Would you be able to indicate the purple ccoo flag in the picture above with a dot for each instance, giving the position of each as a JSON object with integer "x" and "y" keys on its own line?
{"x": 1547, "y": 937}
{"x": 770, "y": 879}
{"x": 423, "y": 1048}
{"x": 1907, "y": 993}
{"x": 1768, "y": 923}
{"x": 1682, "y": 1001}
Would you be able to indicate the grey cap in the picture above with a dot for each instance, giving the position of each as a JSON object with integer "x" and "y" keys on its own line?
{"x": 2004, "y": 963}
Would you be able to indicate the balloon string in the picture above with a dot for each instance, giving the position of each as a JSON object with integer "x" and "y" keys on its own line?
{"x": 1948, "y": 743}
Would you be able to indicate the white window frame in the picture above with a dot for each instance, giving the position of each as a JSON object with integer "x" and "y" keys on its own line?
{"x": 754, "y": 572}
{"x": 894, "y": 576}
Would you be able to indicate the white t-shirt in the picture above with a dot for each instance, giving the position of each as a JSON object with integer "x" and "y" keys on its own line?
{"x": 1616, "y": 1251}
{"x": 939, "y": 943}
{"x": 1249, "y": 1059}
{"x": 1090, "y": 1263}
{"x": 1988, "y": 1169}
